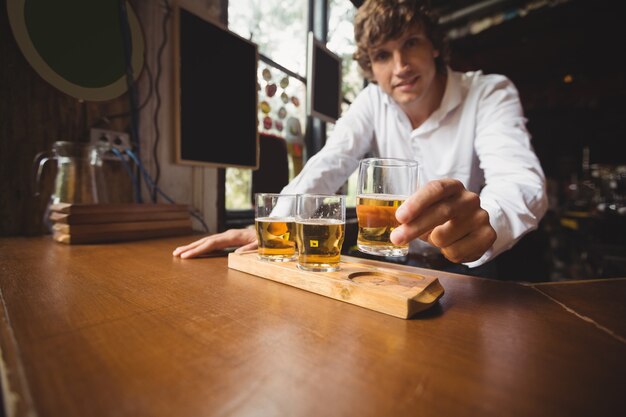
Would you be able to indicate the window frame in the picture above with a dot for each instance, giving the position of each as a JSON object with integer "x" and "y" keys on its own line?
{"x": 315, "y": 132}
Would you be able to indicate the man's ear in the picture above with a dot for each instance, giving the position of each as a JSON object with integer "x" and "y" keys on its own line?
{"x": 436, "y": 53}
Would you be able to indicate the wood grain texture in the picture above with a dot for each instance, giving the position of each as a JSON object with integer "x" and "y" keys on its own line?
{"x": 106, "y": 229}
{"x": 118, "y": 235}
{"x": 399, "y": 294}
{"x": 126, "y": 329}
{"x": 129, "y": 208}
{"x": 89, "y": 218}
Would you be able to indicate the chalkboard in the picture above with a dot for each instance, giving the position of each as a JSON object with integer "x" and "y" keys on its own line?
{"x": 324, "y": 81}
{"x": 216, "y": 94}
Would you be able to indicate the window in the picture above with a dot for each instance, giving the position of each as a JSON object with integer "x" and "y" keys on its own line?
{"x": 279, "y": 28}
{"x": 341, "y": 41}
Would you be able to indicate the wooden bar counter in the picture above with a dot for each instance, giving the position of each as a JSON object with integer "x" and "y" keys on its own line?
{"x": 125, "y": 329}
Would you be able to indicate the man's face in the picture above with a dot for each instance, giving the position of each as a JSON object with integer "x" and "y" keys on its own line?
{"x": 405, "y": 67}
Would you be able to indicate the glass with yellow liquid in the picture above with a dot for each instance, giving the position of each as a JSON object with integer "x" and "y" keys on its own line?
{"x": 275, "y": 226}
{"x": 320, "y": 231}
{"x": 383, "y": 184}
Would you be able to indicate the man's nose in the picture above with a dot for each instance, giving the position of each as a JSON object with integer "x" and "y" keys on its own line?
{"x": 400, "y": 62}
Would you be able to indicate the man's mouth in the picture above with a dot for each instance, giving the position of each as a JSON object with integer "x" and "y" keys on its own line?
{"x": 406, "y": 83}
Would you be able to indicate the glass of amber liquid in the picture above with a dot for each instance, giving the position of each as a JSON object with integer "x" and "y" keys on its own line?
{"x": 275, "y": 226}
{"x": 320, "y": 231}
{"x": 382, "y": 186}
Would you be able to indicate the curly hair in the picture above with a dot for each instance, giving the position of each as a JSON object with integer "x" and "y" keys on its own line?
{"x": 378, "y": 21}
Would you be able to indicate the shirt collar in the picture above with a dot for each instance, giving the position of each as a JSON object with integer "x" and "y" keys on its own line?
{"x": 452, "y": 96}
{"x": 451, "y": 100}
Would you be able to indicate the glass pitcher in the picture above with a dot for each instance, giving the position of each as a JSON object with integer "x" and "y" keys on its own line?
{"x": 75, "y": 178}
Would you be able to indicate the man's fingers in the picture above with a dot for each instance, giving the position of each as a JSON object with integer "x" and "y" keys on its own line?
{"x": 452, "y": 206}
{"x": 471, "y": 247}
{"x": 456, "y": 228}
{"x": 426, "y": 196}
{"x": 466, "y": 239}
{"x": 190, "y": 246}
{"x": 229, "y": 238}
{"x": 249, "y": 246}
{"x": 446, "y": 215}
{"x": 204, "y": 247}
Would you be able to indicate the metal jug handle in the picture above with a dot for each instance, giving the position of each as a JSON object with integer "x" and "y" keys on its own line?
{"x": 38, "y": 163}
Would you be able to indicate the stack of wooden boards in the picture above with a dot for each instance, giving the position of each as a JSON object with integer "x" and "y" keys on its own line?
{"x": 94, "y": 223}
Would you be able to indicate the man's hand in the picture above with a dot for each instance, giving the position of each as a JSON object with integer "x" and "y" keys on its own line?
{"x": 446, "y": 215}
{"x": 245, "y": 238}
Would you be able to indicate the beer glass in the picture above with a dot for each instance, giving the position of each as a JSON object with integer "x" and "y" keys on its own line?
{"x": 275, "y": 226}
{"x": 320, "y": 231}
{"x": 382, "y": 186}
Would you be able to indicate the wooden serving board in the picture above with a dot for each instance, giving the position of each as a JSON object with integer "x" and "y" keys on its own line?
{"x": 386, "y": 290}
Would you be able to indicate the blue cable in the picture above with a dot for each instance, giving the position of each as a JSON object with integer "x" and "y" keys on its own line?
{"x": 151, "y": 185}
{"x": 132, "y": 176}
{"x": 146, "y": 176}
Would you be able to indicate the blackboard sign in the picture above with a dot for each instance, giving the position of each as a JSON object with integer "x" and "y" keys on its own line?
{"x": 323, "y": 81}
{"x": 216, "y": 94}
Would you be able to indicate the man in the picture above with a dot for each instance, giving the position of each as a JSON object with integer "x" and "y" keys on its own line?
{"x": 483, "y": 187}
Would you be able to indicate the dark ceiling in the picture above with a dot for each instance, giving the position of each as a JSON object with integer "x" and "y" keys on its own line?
{"x": 455, "y": 13}
{"x": 584, "y": 39}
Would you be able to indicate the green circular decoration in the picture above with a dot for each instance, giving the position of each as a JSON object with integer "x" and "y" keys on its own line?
{"x": 78, "y": 46}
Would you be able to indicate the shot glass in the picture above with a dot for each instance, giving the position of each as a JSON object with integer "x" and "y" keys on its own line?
{"x": 320, "y": 231}
{"x": 275, "y": 226}
{"x": 383, "y": 184}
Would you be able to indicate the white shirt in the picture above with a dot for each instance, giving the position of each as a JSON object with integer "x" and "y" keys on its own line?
{"x": 478, "y": 136}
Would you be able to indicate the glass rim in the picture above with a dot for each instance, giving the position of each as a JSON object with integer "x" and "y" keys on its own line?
{"x": 393, "y": 161}
{"x": 320, "y": 195}
{"x": 274, "y": 194}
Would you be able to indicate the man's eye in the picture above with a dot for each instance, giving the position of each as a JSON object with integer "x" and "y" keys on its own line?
{"x": 412, "y": 42}
{"x": 380, "y": 56}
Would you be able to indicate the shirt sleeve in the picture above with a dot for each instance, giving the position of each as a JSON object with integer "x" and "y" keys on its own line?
{"x": 514, "y": 194}
{"x": 350, "y": 139}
